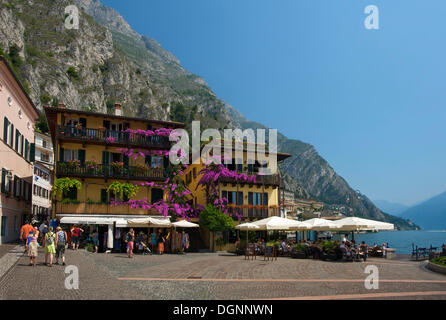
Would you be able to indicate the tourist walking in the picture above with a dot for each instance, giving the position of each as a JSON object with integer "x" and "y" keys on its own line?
{"x": 61, "y": 241}
{"x": 153, "y": 241}
{"x": 75, "y": 234}
{"x": 130, "y": 240}
{"x": 161, "y": 242}
{"x": 33, "y": 247}
{"x": 24, "y": 233}
{"x": 50, "y": 248}
{"x": 364, "y": 250}
{"x": 95, "y": 238}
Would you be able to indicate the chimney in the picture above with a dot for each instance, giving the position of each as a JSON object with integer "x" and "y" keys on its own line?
{"x": 118, "y": 109}
{"x": 62, "y": 105}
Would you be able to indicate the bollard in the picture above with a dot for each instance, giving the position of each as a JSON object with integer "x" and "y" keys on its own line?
{"x": 390, "y": 253}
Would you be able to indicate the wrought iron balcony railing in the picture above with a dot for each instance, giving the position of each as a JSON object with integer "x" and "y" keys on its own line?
{"x": 109, "y": 171}
{"x": 270, "y": 180}
{"x": 255, "y": 212}
{"x": 112, "y": 137}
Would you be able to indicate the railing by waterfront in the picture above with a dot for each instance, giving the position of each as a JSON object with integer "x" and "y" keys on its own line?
{"x": 109, "y": 171}
{"x": 260, "y": 212}
{"x": 112, "y": 137}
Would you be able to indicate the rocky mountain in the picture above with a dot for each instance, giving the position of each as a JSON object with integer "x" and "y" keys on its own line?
{"x": 106, "y": 61}
{"x": 430, "y": 214}
{"x": 391, "y": 207}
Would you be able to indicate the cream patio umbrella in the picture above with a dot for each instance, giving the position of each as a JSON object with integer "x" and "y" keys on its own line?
{"x": 281, "y": 224}
{"x": 184, "y": 224}
{"x": 318, "y": 224}
{"x": 247, "y": 227}
{"x": 358, "y": 224}
{"x": 149, "y": 222}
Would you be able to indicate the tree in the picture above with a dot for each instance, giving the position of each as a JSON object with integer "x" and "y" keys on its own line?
{"x": 178, "y": 113}
{"x": 72, "y": 73}
{"x": 14, "y": 56}
{"x": 42, "y": 124}
{"x": 215, "y": 220}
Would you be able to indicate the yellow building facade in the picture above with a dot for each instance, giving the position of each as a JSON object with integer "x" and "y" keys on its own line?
{"x": 88, "y": 147}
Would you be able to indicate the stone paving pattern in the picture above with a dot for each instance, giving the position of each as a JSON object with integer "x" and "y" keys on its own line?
{"x": 217, "y": 276}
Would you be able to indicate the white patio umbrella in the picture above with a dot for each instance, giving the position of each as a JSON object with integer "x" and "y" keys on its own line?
{"x": 281, "y": 224}
{"x": 322, "y": 224}
{"x": 184, "y": 224}
{"x": 247, "y": 227}
{"x": 149, "y": 222}
{"x": 358, "y": 224}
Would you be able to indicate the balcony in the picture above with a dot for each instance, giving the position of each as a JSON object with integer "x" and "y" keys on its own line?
{"x": 256, "y": 212}
{"x": 110, "y": 172}
{"x": 270, "y": 180}
{"x": 86, "y": 208}
{"x": 116, "y": 138}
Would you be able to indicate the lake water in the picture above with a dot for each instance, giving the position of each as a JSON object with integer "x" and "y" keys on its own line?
{"x": 402, "y": 240}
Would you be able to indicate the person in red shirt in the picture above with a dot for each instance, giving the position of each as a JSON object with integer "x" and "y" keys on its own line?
{"x": 24, "y": 232}
{"x": 75, "y": 234}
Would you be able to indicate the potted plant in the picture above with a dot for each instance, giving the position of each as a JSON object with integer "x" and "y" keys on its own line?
{"x": 329, "y": 250}
{"x": 299, "y": 251}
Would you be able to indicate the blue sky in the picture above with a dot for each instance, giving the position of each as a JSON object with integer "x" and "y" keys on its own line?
{"x": 372, "y": 102}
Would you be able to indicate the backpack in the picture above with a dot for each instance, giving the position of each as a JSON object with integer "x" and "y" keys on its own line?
{"x": 50, "y": 238}
{"x": 61, "y": 235}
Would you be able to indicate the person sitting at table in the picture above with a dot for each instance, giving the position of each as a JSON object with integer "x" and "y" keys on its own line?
{"x": 345, "y": 249}
{"x": 364, "y": 250}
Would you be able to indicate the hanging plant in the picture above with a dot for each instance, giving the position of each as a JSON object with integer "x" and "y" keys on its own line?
{"x": 64, "y": 185}
{"x": 123, "y": 189}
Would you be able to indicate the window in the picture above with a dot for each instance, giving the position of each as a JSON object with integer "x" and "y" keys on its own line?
{"x": 70, "y": 194}
{"x": 6, "y": 181}
{"x": 4, "y": 228}
{"x": 45, "y": 157}
{"x": 157, "y": 195}
{"x": 70, "y": 155}
{"x": 233, "y": 197}
{"x": 157, "y": 162}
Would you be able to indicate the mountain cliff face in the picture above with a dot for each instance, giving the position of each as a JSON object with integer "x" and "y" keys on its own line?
{"x": 106, "y": 61}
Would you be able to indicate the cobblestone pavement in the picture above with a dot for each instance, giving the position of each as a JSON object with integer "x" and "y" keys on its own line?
{"x": 219, "y": 276}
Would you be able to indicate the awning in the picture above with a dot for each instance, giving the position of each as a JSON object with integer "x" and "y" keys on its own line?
{"x": 121, "y": 222}
{"x": 87, "y": 220}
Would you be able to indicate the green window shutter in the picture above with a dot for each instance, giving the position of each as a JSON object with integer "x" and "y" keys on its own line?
{"x": 21, "y": 147}
{"x": 240, "y": 198}
{"x": 104, "y": 196}
{"x": 32, "y": 152}
{"x": 5, "y": 130}
{"x": 251, "y": 198}
{"x": 26, "y": 149}
{"x": 105, "y": 158}
{"x": 14, "y": 186}
{"x": 265, "y": 199}
{"x": 126, "y": 161}
{"x": 12, "y": 136}
{"x": 166, "y": 162}
{"x": 17, "y": 135}
{"x": 3, "y": 180}
{"x": 81, "y": 154}
{"x": 148, "y": 160}
{"x": 61, "y": 154}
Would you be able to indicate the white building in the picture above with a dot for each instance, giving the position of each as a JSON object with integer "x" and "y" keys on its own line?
{"x": 43, "y": 177}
